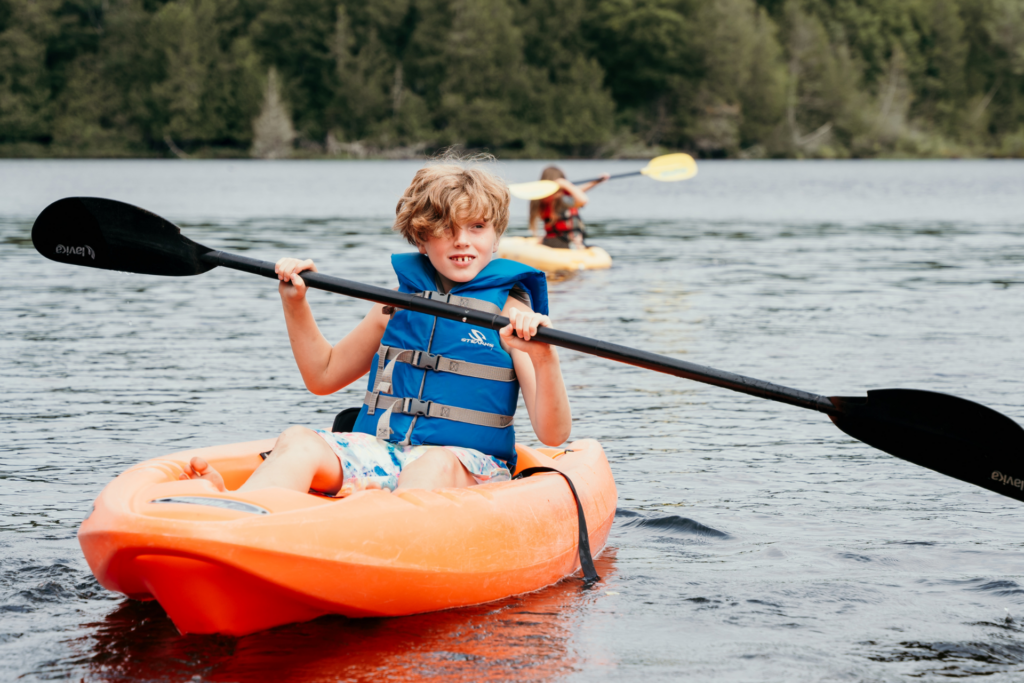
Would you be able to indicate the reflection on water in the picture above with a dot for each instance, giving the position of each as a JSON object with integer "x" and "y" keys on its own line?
{"x": 527, "y": 637}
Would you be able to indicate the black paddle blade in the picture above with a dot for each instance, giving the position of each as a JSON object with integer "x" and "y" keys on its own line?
{"x": 951, "y": 435}
{"x": 103, "y": 233}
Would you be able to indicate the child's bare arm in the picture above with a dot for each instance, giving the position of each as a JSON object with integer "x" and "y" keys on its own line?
{"x": 577, "y": 194}
{"x": 325, "y": 369}
{"x": 539, "y": 373}
{"x": 587, "y": 187}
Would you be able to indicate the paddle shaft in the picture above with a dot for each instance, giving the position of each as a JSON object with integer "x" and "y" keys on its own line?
{"x": 611, "y": 177}
{"x": 951, "y": 435}
{"x": 567, "y": 340}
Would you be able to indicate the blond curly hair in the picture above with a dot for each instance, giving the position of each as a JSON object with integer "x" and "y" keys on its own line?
{"x": 442, "y": 195}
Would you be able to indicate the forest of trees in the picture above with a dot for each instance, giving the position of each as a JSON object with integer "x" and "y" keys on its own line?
{"x": 519, "y": 78}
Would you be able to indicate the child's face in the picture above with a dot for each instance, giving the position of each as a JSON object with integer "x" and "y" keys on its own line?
{"x": 463, "y": 252}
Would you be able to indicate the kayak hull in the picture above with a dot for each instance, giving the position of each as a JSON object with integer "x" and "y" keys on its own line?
{"x": 277, "y": 556}
{"x": 530, "y": 251}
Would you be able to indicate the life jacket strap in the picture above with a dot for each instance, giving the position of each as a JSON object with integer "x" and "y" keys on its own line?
{"x": 384, "y": 426}
{"x": 383, "y": 382}
{"x": 431, "y": 361}
{"x": 462, "y": 301}
{"x": 414, "y": 406}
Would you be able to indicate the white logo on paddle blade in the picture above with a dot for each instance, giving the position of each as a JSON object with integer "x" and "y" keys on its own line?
{"x": 1007, "y": 480}
{"x": 477, "y": 337}
{"x": 82, "y": 251}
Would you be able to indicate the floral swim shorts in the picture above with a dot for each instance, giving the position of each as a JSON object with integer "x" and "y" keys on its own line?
{"x": 367, "y": 459}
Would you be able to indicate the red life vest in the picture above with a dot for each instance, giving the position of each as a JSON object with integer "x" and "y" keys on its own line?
{"x": 559, "y": 225}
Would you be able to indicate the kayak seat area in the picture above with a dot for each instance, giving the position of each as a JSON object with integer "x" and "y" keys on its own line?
{"x": 345, "y": 421}
{"x": 527, "y": 457}
{"x": 237, "y": 461}
{"x": 236, "y": 466}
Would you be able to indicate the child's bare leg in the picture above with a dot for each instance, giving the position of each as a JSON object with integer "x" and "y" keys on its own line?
{"x": 300, "y": 461}
{"x": 438, "y": 468}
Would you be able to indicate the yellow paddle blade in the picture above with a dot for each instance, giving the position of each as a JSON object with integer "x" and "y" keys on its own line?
{"x": 671, "y": 167}
{"x": 538, "y": 189}
{"x": 667, "y": 168}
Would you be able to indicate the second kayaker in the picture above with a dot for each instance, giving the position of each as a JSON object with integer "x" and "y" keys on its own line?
{"x": 560, "y": 213}
{"x": 441, "y": 393}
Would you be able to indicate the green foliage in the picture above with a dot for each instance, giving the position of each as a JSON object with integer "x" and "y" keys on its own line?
{"x": 742, "y": 97}
{"x": 25, "y": 28}
{"x": 643, "y": 45}
{"x": 485, "y": 86}
{"x": 518, "y": 77}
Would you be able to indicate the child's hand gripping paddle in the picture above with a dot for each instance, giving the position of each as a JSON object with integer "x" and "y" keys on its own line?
{"x": 953, "y": 436}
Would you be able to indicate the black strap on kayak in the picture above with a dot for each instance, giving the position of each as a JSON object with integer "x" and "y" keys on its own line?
{"x": 586, "y": 560}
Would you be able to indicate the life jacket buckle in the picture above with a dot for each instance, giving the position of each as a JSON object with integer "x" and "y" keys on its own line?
{"x": 414, "y": 406}
{"x": 425, "y": 360}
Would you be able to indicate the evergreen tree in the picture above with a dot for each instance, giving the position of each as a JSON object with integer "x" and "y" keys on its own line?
{"x": 485, "y": 84}
{"x": 825, "y": 101}
{"x": 570, "y": 111}
{"x": 273, "y": 133}
{"x": 295, "y": 36}
{"x": 941, "y": 88}
{"x": 24, "y": 78}
{"x": 648, "y": 50}
{"x": 184, "y": 33}
{"x": 741, "y": 98}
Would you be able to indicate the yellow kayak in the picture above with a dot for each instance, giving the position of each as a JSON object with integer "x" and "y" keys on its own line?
{"x": 530, "y": 251}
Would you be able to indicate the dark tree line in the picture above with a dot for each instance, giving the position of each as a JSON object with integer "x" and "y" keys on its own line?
{"x": 518, "y": 77}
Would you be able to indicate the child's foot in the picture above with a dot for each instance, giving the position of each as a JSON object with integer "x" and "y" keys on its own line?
{"x": 356, "y": 485}
{"x": 202, "y": 470}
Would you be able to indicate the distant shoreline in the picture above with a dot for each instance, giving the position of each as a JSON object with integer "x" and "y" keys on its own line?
{"x": 225, "y": 156}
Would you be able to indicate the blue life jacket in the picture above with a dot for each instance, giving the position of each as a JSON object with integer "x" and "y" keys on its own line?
{"x": 444, "y": 382}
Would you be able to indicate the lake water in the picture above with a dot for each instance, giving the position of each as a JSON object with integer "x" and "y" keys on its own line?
{"x": 754, "y": 541}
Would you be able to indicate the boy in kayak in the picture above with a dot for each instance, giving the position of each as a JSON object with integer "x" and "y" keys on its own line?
{"x": 560, "y": 212}
{"x": 441, "y": 393}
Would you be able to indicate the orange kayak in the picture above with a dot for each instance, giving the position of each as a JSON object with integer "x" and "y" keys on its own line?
{"x": 238, "y": 563}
